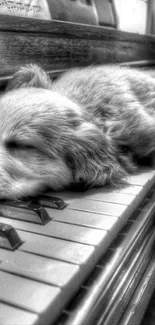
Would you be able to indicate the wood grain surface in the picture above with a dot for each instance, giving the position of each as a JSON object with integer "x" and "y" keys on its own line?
{"x": 60, "y": 45}
{"x": 149, "y": 317}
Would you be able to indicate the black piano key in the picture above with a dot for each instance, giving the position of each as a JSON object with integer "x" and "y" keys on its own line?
{"x": 51, "y": 202}
{"x": 26, "y": 211}
{"x": 9, "y": 238}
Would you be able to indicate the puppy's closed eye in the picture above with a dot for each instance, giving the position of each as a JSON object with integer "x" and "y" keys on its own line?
{"x": 15, "y": 145}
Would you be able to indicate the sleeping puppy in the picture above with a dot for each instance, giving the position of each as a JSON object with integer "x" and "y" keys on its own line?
{"x": 84, "y": 129}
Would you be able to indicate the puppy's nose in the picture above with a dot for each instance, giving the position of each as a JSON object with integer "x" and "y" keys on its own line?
{"x": 80, "y": 186}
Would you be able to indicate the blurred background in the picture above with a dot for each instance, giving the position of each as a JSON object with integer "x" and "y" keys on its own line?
{"x": 137, "y": 16}
{"x": 132, "y": 15}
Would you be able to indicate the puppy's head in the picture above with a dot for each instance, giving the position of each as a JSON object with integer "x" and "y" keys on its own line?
{"x": 30, "y": 142}
{"x": 47, "y": 140}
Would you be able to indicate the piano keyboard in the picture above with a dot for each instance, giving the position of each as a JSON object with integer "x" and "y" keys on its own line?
{"x": 83, "y": 265}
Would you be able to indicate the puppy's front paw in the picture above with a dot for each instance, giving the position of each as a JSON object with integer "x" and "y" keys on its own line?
{"x": 29, "y": 76}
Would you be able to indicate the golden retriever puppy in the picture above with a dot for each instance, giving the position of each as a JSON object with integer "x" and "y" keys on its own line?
{"x": 84, "y": 129}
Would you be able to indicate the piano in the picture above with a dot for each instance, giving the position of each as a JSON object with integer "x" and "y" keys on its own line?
{"x": 74, "y": 258}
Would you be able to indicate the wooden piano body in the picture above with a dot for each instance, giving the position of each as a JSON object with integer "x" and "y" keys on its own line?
{"x": 91, "y": 263}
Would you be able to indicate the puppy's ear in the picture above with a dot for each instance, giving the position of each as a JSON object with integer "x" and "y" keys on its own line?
{"x": 29, "y": 76}
{"x": 94, "y": 159}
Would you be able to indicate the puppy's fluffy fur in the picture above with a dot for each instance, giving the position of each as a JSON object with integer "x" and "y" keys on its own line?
{"x": 84, "y": 128}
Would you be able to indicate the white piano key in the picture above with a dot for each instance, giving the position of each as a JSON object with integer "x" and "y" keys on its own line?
{"x": 97, "y": 207}
{"x": 32, "y": 231}
{"x": 68, "y": 214}
{"x": 10, "y": 315}
{"x": 147, "y": 179}
{"x": 131, "y": 202}
{"x": 139, "y": 190}
{"x": 63, "y": 250}
{"x": 80, "y": 234}
{"x": 96, "y": 220}
{"x": 106, "y": 222}
{"x": 50, "y": 271}
{"x": 98, "y": 238}
{"x": 138, "y": 183}
{"x": 5, "y": 254}
{"x": 87, "y": 219}
{"x": 100, "y": 194}
{"x": 112, "y": 197}
{"x": 131, "y": 189}
{"x": 142, "y": 179}
{"x": 74, "y": 233}
{"x": 31, "y": 296}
